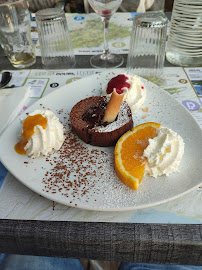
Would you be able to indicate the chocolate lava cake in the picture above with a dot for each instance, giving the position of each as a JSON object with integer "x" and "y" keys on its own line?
{"x": 86, "y": 119}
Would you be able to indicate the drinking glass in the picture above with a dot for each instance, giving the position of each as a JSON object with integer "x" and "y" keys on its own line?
{"x": 184, "y": 47}
{"x": 54, "y": 39}
{"x": 147, "y": 46}
{"x": 105, "y": 9}
{"x": 15, "y": 33}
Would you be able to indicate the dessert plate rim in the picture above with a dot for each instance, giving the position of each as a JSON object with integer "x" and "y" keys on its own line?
{"x": 163, "y": 106}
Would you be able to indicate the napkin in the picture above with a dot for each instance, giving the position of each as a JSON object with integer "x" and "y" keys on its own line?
{"x": 11, "y": 104}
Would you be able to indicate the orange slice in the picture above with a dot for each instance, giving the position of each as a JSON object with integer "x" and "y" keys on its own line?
{"x": 129, "y": 160}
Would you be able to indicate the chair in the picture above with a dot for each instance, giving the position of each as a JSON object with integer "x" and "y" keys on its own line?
{"x": 35, "y": 5}
{"x": 134, "y": 5}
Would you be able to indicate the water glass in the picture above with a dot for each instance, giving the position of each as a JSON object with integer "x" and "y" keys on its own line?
{"x": 184, "y": 46}
{"x": 15, "y": 33}
{"x": 147, "y": 47}
{"x": 55, "y": 43}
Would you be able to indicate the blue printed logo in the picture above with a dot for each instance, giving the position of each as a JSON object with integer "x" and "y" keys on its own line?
{"x": 191, "y": 105}
{"x": 79, "y": 18}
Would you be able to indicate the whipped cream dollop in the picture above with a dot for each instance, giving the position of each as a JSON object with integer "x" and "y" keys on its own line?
{"x": 164, "y": 153}
{"x": 132, "y": 86}
{"x": 43, "y": 141}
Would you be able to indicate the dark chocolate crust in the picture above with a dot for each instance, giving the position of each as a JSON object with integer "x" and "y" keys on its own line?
{"x": 102, "y": 135}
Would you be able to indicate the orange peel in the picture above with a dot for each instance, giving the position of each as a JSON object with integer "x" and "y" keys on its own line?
{"x": 129, "y": 149}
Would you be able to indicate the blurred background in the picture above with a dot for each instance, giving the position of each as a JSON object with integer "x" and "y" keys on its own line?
{"x": 82, "y": 6}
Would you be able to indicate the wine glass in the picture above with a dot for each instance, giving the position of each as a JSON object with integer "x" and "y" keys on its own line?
{"x": 105, "y": 9}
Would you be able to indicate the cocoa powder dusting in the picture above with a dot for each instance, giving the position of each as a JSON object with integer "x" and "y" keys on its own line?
{"x": 76, "y": 168}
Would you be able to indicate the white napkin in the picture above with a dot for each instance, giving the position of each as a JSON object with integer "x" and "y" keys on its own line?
{"x": 11, "y": 104}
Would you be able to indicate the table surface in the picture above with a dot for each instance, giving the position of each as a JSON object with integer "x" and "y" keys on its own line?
{"x": 139, "y": 242}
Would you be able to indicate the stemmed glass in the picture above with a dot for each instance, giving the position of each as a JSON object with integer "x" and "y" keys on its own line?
{"x": 105, "y": 9}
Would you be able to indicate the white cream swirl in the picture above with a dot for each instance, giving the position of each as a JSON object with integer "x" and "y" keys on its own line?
{"x": 134, "y": 95}
{"x": 164, "y": 153}
{"x": 43, "y": 141}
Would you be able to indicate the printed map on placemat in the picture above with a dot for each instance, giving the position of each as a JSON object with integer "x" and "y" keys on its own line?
{"x": 87, "y": 33}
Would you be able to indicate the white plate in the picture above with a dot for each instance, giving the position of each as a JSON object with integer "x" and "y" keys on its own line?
{"x": 91, "y": 169}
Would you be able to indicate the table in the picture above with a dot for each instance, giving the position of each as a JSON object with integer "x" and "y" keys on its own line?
{"x": 111, "y": 241}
